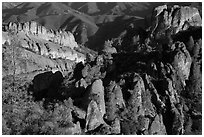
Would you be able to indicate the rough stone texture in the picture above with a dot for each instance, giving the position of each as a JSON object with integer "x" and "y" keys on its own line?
{"x": 5, "y": 38}
{"x": 182, "y": 61}
{"x": 97, "y": 94}
{"x": 116, "y": 129}
{"x": 111, "y": 107}
{"x": 157, "y": 127}
{"x": 85, "y": 70}
{"x": 39, "y": 45}
{"x": 119, "y": 101}
{"x": 170, "y": 88}
{"x": 74, "y": 130}
{"x": 175, "y": 19}
{"x": 81, "y": 83}
{"x": 178, "y": 120}
{"x": 139, "y": 92}
{"x": 79, "y": 113}
{"x": 21, "y": 61}
{"x": 60, "y": 37}
{"x": 156, "y": 99}
{"x": 94, "y": 117}
{"x": 31, "y": 52}
{"x": 108, "y": 48}
{"x": 134, "y": 102}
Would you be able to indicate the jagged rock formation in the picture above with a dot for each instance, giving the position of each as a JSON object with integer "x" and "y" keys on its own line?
{"x": 5, "y": 38}
{"x": 59, "y": 37}
{"x": 29, "y": 34}
{"x": 174, "y": 19}
{"x": 97, "y": 94}
{"x": 40, "y": 48}
{"x": 94, "y": 117}
{"x": 18, "y": 60}
{"x": 74, "y": 130}
{"x": 153, "y": 88}
{"x": 182, "y": 61}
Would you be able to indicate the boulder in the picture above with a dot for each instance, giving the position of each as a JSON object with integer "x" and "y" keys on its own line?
{"x": 97, "y": 94}
{"x": 157, "y": 127}
{"x": 94, "y": 117}
{"x": 119, "y": 101}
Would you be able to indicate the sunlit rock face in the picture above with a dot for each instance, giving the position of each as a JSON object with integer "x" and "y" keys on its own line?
{"x": 174, "y": 19}
{"x": 5, "y": 38}
{"x": 38, "y": 40}
{"x": 94, "y": 116}
{"x": 59, "y": 37}
{"x": 152, "y": 87}
{"x": 182, "y": 60}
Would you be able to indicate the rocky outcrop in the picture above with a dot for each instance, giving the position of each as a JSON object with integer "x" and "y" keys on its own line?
{"x": 142, "y": 105}
{"x": 108, "y": 48}
{"x": 138, "y": 92}
{"x": 17, "y": 60}
{"x": 182, "y": 61}
{"x": 74, "y": 130}
{"x": 97, "y": 94}
{"x": 157, "y": 127}
{"x": 5, "y": 38}
{"x": 59, "y": 37}
{"x": 135, "y": 99}
{"x": 94, "y": 117}
{"x": 51, "y": 50}
{"x": 37, "y": 52}
{"x": 174, "y": 19}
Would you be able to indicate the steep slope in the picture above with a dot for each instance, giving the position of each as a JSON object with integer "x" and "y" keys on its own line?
{"x": 53, "y": 16}
{"x": 142, "y": 82}
{"x": 9, "y": 5}
{"x": 39, "y": 48}
{"x": 141, "y": 9}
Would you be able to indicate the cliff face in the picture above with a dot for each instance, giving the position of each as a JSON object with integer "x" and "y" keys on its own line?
{"x": 40, "y": 48}
{"x": 59, "y": 37}
{"x": 153, "y": 88}
{"x": 174, "y": 19}
{"x": 17, "y": 60}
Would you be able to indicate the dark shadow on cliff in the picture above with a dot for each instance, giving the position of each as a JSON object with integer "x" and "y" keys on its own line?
{"x": 46, "y": 85}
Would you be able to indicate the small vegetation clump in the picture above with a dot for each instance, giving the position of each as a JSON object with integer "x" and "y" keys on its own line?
{"x": 22, "y": 115}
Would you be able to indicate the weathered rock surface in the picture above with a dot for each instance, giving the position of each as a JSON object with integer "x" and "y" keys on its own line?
{"x": 42, "y": 44}
{"x": 94, "y": 116}
{"x": 59, "y": 37}
{"x": 97, "y": 94}
{"x": 140, "y": 91}
{"x": 5, "y": 38}
{"x": 157, "y": 127}
{"x": 136, "y": 90}
{"x": 182, "y": 61}
{"x": 74, "y": 130}
{"x": 17, "y": 60}
{"x": 116, "y": 128}
{"x": 174, "y": 19}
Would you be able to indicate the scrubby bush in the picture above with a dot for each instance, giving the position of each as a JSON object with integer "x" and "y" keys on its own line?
{"x": 21, "y": 115}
